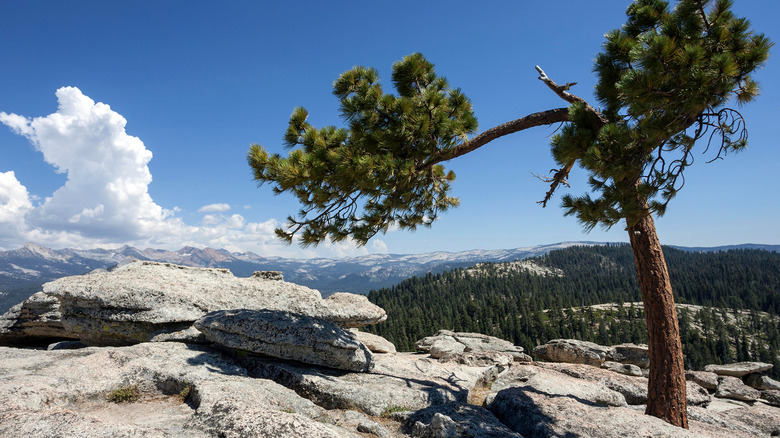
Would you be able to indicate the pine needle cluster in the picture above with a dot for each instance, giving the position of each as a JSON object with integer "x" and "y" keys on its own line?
{"x": 665, "y": 80}
{"x": 361, "y": 180}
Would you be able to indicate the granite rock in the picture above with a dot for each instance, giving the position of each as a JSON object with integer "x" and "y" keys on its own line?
{"x": 141, "y": 300}
{"x": 36, "y": 321}
{"x": 738, "y": 369}
{"x": 447, "y": 342}
{"x": 287, "y": 336}
{"x": 733, "y": 388}
{"x": 572, "y": 351}
{"x": 375, "y": 343}
{"x": 705, "y": 379}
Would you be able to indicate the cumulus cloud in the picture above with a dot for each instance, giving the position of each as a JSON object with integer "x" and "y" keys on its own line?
{"x": 214, "y": 208}
{"x": 14, "y": 204}
{"x": 106, "y": 192}
{"x": 105, "y": 201}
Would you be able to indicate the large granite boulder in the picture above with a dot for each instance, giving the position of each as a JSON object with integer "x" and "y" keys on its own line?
{"x": 738, "y": 369}
{"x": 447, "y": 342}
{"x": 758, "y": 381}
{"x": 457, "y": 420}
{"x": 734, "y": 388}
{"x": 622, "y": 368}
{"x": 705, "y": 379}
{"x": 36, "y": 321}
{"x": 630, "y": 354}
{"x": 572, "y": 351}
{"x": 287, "y": 336}
{"x": 140, "y": 300}
{"x": 542, "y": 379}
{"x": 771, "y": 396}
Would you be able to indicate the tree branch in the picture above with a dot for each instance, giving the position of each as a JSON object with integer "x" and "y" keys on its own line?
{"x": 563, "y": 93}
{"x": 548, "y": 117}
{"x": 559, "y": 178}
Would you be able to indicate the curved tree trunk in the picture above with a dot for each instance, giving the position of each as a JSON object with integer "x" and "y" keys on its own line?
{"x": 666, "y": 396}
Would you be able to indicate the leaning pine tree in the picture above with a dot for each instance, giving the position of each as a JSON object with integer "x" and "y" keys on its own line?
{"x": 664, "y": 82}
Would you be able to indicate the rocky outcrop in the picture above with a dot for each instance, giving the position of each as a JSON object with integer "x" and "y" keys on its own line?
{"x": 758, "y": 381}
{"x": 738, "y": 369}
{"x": 572, "y": 351}
{"x": 575, "y": 351}
{"x": 457, "y": 420}
{"x": 771, "y": 396}
{"x": 36, "y": 321}
{"x": 733, "y": 388}
{"x": 287, "y": 336}
{"x": 630, "y": 354}
{"x": 705, "y": 379}
{"x": 447, "y": 342}
{"x": 203, "y": 391}
{"x": 627, "y": 369}
{"x": 141, "y": 300}
{"x": 398, "y": 382}
{"x": 185, "y": 390}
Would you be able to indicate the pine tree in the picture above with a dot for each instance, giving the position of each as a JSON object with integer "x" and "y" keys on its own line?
{"x": 664, "y": 82}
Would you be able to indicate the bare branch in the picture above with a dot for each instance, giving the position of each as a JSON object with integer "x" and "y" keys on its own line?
{"x": 558, "y": 178}
{"x": 563, "y": 93}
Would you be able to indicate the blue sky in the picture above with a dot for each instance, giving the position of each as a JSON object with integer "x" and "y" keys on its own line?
{"x": 159, "y": 102}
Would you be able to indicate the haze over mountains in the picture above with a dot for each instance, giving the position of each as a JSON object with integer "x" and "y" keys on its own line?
{"x": 24, "y": 270}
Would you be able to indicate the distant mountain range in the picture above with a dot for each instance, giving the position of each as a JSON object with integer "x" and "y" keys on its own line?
{"x": 24, "y": 270}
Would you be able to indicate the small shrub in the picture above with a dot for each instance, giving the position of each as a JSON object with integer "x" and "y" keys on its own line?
{"x": 125, "y": 393}
{"x": 393, "y": 409}
{"x": 185, "y": 393}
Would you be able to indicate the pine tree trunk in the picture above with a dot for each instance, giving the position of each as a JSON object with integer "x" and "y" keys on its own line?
{"x": 666, "y": 396}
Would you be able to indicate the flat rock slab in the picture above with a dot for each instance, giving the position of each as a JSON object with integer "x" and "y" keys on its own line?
{"x": 140, "y": 300}
{"x": 36, "y": 321}
{"x": 399, "y": 382}
{"x": 287, "y": 336}
{"x": 739, "y": 369}
{"x": 64, "y": 393}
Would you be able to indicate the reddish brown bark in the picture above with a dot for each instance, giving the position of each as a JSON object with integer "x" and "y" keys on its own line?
{"x": 666, "y": 396}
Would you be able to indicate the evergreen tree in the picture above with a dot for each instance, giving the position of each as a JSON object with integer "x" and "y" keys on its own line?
{"x": 665, "y": 79}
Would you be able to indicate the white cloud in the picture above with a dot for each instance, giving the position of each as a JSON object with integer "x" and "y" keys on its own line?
{"x": 211, "y": 219}
{"x": 378, "y": 246}
{"x": 14, "y": 204}
{"x": 105, "y": 201}
{"x": 106, "y": 192}
{"x": 214, "y": 208}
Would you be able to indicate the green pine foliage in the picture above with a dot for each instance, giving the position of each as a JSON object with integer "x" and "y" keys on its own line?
{"x": 359, "y": 181}
{"x": 530, "y": 309}
{"x": 665, "y": 80}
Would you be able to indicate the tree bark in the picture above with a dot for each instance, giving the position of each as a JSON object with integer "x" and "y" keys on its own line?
{"x": 666, "y": 394}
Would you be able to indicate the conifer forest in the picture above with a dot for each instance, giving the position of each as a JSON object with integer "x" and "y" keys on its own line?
{"x": 728, "y": 302}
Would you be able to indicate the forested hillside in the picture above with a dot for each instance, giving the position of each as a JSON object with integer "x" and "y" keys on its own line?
{"x": 739, "y": 289}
